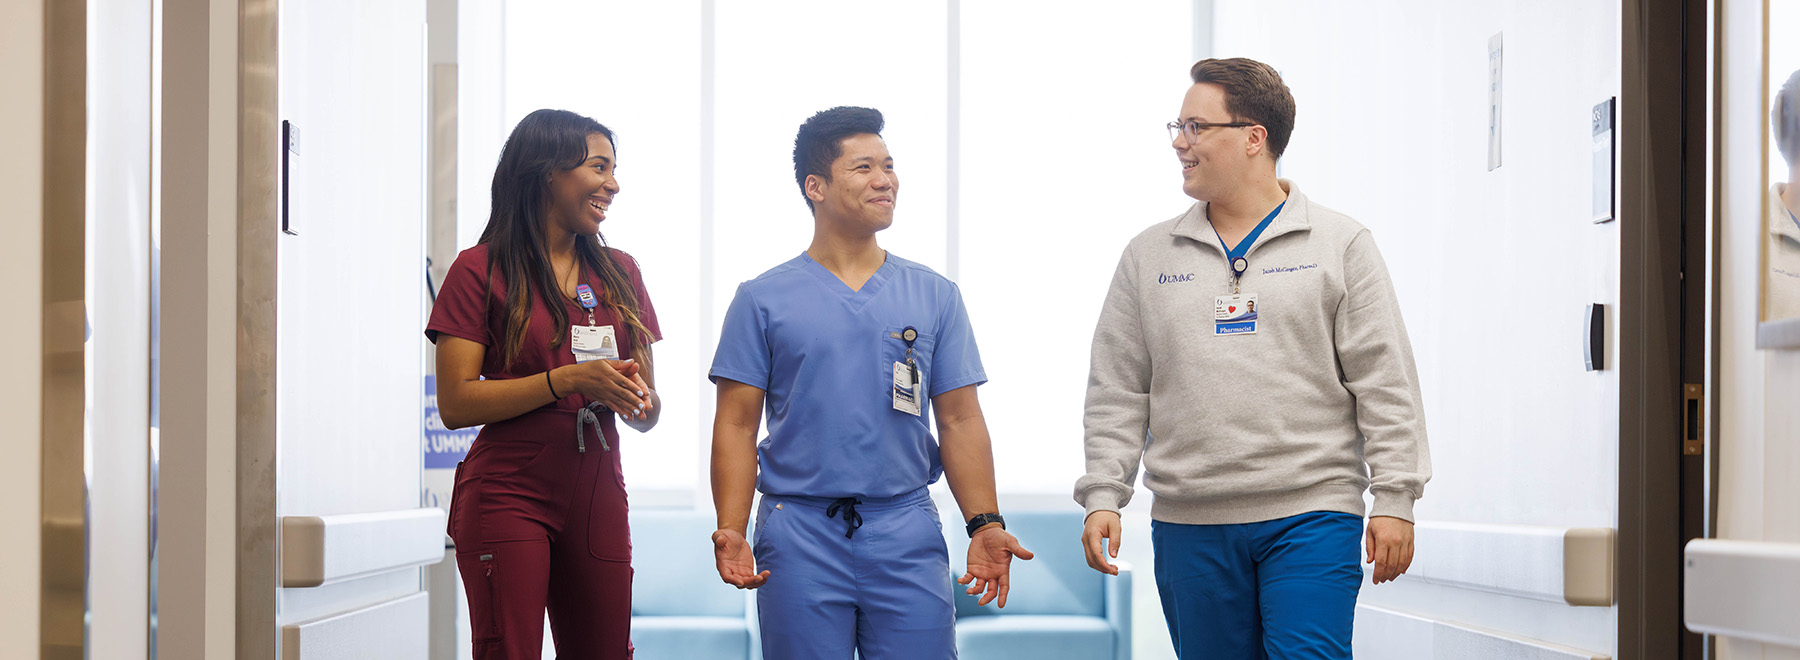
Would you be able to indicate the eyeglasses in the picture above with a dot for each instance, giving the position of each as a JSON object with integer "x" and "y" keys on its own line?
{"x": 1190, "y": 129}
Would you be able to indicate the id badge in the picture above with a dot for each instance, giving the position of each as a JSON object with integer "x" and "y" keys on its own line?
{"x": 907, "y": 394}
{"x": 1234, "y": 314}
{"x": 593, "y": 342}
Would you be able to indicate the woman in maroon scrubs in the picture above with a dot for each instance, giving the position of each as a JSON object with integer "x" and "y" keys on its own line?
{"x": 543, "y": 334}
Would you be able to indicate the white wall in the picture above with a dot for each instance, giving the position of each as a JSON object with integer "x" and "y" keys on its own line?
{"x": 1759, "y": 427}
{"x": 1493, "y": 269}
{"x": 21, "y": 262}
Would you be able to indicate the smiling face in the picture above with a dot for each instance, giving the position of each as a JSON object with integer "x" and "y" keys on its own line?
{"x": 579, "y": 197}
{"x": 1218, "y": 158}
{"x": 860, "y": 195}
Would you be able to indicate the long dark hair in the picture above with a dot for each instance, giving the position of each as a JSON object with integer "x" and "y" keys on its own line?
{"x": 546, "y": 141}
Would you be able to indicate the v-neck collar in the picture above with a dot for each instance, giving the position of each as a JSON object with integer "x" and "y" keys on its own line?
{"x": 855, "y": 298}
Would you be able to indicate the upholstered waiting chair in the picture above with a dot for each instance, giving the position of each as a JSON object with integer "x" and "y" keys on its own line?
{"x": 680, "y": 610}
{"x": 1057, "y": 607}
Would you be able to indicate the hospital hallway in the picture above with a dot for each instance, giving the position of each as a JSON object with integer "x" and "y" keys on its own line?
{"x": 230, "y": 222}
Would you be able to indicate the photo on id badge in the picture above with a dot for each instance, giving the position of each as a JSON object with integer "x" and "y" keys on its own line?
{"x": 1234, "y": 314}
{"x": 593, "y": 342}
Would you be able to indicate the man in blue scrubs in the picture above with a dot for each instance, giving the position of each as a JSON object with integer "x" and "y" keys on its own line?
{"x": 849, "y": 349}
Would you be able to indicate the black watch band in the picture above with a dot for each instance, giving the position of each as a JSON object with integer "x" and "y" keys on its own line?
{"x": 984, "y": 519}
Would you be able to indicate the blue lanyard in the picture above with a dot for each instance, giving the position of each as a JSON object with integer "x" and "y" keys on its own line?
{"x": 1235, "y": 255}
{"x": 1793, "y": 217}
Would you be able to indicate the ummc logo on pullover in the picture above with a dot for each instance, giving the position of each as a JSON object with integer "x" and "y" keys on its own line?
{"x": 1166, "y": 278}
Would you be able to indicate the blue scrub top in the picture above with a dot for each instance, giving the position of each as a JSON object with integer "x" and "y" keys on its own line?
{"x": 824, "y": 355}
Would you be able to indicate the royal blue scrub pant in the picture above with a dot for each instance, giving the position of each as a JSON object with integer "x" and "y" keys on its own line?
{"x": 1277, "y": 590}
{"x": 883, "y": 592}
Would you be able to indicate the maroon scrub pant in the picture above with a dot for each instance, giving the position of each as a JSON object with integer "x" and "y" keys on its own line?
{"x": 540, "y": 525}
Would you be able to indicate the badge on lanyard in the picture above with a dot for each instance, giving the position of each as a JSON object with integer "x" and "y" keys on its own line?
{"x": 1234, "y": 314}
{"x": 591, "y": 342}
{"x": 909, "y": 389}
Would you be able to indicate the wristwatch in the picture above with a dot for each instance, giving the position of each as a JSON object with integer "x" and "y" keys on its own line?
{"x": 984, "y": 519}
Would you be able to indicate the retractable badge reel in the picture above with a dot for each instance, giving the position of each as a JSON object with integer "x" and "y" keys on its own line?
{"x": 908, "y": 392}
{"x": 591, "y": 342}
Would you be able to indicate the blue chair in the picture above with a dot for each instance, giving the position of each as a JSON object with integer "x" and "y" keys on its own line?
{"x": 679, "y": 608}
{"x": 1057, "y": 607}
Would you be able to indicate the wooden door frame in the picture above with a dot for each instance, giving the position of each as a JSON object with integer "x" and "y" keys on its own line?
{"x": 1664, "y": 97}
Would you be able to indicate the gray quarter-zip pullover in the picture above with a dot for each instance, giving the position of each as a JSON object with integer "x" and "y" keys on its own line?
{"x": 1318, "y": 405}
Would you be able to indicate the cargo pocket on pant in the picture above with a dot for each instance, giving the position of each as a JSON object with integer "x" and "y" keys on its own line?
{"x": 609, "y": 524}
{"x": 481, "y": 582}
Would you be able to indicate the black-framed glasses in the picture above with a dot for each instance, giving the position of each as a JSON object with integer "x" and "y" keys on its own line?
{"x": 1190, "y": 129}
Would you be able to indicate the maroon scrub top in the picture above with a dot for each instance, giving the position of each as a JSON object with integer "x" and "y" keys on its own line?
{"x": 467, "y": 309}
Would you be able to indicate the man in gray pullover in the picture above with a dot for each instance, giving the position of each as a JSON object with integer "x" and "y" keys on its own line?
{"x": 1251, "y": 355}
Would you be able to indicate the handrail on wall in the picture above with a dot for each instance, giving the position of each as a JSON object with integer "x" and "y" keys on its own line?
{"x": 1572, "y": 565}
{"x": 317, "y": 550}
{"x": 1744, "y": 589}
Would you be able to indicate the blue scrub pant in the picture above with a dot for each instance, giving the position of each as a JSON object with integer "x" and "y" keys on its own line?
{"x": 1277, "y": 590}
{"x": 883, "y": 592}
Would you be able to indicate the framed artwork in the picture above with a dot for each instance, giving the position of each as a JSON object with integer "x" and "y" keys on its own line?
{"x": 1779, "y": 322}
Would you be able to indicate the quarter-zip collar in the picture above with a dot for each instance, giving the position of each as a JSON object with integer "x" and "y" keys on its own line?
{"x": 1293, "y": 218}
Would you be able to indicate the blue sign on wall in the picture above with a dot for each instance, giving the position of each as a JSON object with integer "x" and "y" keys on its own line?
{"x": 443, "y": 447}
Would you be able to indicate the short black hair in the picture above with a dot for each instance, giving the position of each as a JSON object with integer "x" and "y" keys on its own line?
{"x": 821, "y": 140}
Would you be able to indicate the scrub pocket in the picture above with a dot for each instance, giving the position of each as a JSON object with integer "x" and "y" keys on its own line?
{"x": 609, "y": 521}
{"x": 893, "y": 349}
{"x": 481, "y": 580}
{"x": 765, "y": 510}
{"x": 502, "y": 458}
{"x": 464, "y": 524}
{"x": 450, "y": 517}
{"x": 930, "y": 510}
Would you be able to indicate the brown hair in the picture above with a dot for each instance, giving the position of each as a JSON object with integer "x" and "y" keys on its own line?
{"x": 1253, "y": 92}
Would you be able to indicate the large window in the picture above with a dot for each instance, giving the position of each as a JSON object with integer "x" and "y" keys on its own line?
{"x": 1064, "y": 158}
{"x": 1030, "y": 150}
{"x": 633, "y": 66}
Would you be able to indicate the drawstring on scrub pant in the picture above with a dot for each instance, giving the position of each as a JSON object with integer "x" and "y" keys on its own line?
{"x": 852, "y": 519}
{"x": 583, "y": 418}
